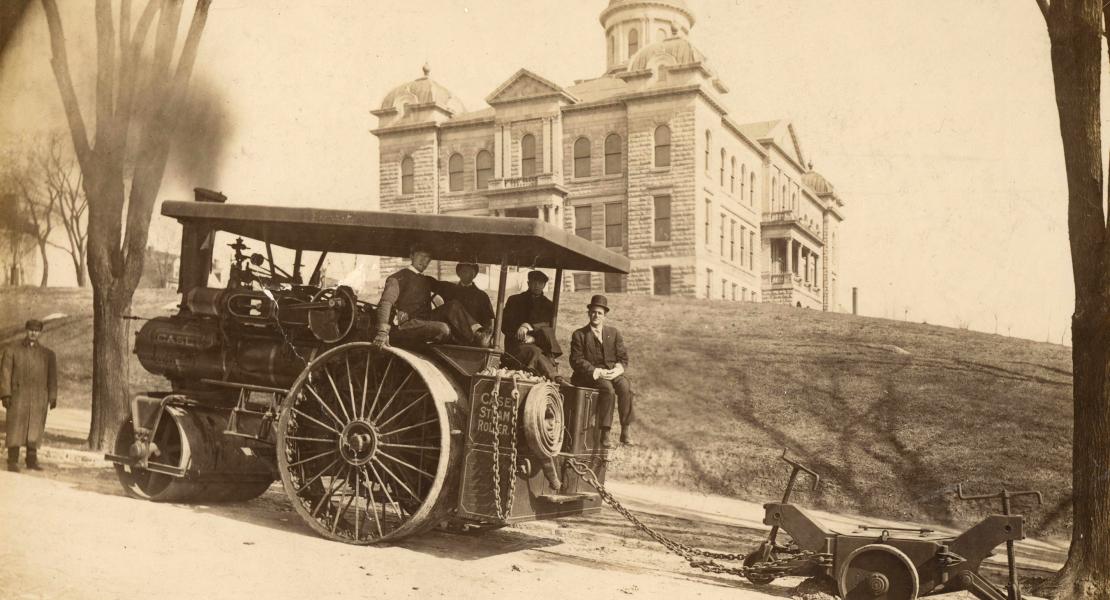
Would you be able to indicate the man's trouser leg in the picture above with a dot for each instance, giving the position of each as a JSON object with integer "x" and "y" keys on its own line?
{"x": 418, "y": 331}
{"x": 13, "y": 456}
{"x": 605, "y": 400}
{"x": 624, "y": 400}
{"x": 462, "y": 325}
{"x": 32, "y": 456}
{"x": 532, "y": 358}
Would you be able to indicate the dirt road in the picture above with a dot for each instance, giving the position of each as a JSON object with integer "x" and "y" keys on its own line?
{"x": 69, "y": 533}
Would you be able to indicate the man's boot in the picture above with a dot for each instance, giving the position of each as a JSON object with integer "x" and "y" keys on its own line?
{"x": 606, "y": 441}
{"x": 13, "y": 459}
{"x": 33, "y": 459}
{"x": 626, "y": 436}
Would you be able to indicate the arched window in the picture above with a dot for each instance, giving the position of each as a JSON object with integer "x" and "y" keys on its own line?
{"x": 794, "y": 201}
{"x": 722, "y": 179}
{"x": 751, "y": 191}
{"x": 483, "y": 169}
{"x": 662, "y": 34}
{"x": 633, "y": 42}
{"x": 528, "y": 156}
{"x": 612, "y": 154}
{"x": 732, "y": 178}
{"x": 407, "y": 175}
{"x": 582, "y": 157}
{"x": 708, "y": 143}
{"x": 774, "y": 199}
{"x": 662, "y": 146}
{"x": 782, "y": 198}
{"x": 455, "y": 173}
{"x": 743, "y": 179}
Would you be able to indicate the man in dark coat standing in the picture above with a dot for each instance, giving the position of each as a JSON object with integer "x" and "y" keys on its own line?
{"x": 28, "y": 388}
{"x": 599, "y": 359}
{"x": 529, "y": 337}
{"x": 405, "y": 314}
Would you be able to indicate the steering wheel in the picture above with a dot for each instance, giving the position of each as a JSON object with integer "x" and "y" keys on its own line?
{"x": 333, "y": 323}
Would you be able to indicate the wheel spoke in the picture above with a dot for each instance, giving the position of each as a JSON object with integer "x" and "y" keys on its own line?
{"x": 401, "y": 462}
{"x": 316, "y": 476}
{"x": 421, "y": 424}
{"x": 338, "y": 421}
{"x": 402, "y": 411}
{"x": 351, "y": 387}
{"x": 410, "y": 446}
{"x": 393, "y": 396}
{"x": 365, "y": 386}
{"x": 397, "y": 479}
{"x": 336, "y": 481}
{"x": 311, "y": 458}
{"x": 385, "y": 490}
{"x": 309, "y": 439}
{"x": 338, "y": 396}
{"x": 381, "y": 383}
{"x": 335, "y": 521}
{"x": 370, "y": 498}
{"x": 320, "y": 423}
{"x": 358, "y": 493}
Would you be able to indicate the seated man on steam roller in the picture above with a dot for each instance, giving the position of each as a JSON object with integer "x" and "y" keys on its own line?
{"x": 405, "y": 314}
{"x": 529, "y": 337}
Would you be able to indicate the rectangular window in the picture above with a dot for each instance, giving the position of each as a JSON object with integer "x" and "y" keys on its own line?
{"x": 734, "y": 292}
{"x": 583, "y": 221}
{"x": 581, "y": 282}
{"x": 614, "y": 225}
{"x": 744, "y": 294}
{"x": 732, "y": 241}
{"x": 724, "y": 288}
{"x": 708, "y": 214}
{"x": 614, "y": 283}
{"x": 751, "y": 250}
{"x": 722, "y": 234}
{"x": 661, "y": 277}
{"x": 663, "y": 219}
{"x": 708, "y": 283}
{"x": 743, "y": 232}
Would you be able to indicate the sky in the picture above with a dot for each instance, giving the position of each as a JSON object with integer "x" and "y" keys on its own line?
{"x": 936, "y": 121}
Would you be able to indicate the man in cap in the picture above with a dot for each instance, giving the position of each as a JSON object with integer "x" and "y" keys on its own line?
{"x": 405, "y": 314}
{"x": 475, "y": 301}
{"x": 28, "y": 388}
{"x": 599, "y": 359}
{"x": 529, "y": 337}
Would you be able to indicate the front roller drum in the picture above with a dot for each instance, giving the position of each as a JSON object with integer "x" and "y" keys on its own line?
{"x": 877, "y": 572}
{"x": 213, "y": 468}
{"x": 364, "y": 444}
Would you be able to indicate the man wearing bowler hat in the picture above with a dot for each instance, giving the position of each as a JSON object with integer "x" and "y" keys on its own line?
{"x": 599, "y": 359}
{"x": 28, "y": 388}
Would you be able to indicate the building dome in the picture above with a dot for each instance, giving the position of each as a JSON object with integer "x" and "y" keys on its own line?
{"x": 817, "y": 182}
{"x": 679, "y": 5}
{"x": 422, "y": 91}
{"x": 673, "y": 51}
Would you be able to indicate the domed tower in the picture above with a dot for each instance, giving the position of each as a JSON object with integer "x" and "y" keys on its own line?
{"x": 832, "y": 216}
{"x": 421, "y": 99}
{"x": 633, "y": 24}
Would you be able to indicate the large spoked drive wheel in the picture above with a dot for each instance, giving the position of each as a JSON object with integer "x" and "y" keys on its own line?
{"x": 877, "y": 572}
{"x": 364, "y": 444}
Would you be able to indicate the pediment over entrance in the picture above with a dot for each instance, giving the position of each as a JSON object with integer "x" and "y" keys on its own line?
{"x": 526, "y": 85}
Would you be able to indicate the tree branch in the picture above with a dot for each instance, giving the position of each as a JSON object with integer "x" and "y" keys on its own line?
{"x": 105, "y": 77}
{"x": 129, "y": 66}
{"x": 1043, "y": 5}
{"x": 60, "y": 64}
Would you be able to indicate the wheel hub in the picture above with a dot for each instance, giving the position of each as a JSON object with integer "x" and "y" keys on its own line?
{"x": 358, "y": 443}
{"x": 878, "y": 584}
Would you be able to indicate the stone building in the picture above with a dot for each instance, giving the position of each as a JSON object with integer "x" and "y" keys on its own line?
{"x": 646, "y": 160}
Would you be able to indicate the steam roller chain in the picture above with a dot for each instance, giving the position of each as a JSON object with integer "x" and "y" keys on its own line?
{"x": 216, "y": 467}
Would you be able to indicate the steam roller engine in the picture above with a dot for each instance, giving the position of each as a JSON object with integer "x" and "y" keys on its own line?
{"x": 229, "y": 355}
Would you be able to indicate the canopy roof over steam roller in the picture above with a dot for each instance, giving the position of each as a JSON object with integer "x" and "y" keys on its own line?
{"x": 524, "y": 242}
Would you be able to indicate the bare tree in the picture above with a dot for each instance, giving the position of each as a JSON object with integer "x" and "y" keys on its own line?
{"x": 116, "y": 247}
{"x": 14, "y": 240}
{"x": 37, "y": 205}
{"x": 1075, "y": 36}
{"x": 63, "y": 181}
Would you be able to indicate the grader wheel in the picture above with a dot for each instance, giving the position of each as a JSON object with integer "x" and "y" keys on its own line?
{"x": 174, "y": 451}
{"x": 877, "y": 572}
{"x": 364, "y": 444}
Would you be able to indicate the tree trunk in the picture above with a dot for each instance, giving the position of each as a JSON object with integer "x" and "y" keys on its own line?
{"x": 45, "y": 264}
{"x": 110, "y": 366}
{"x": 1074, "y": 33}
{"x": 79, "y": 268}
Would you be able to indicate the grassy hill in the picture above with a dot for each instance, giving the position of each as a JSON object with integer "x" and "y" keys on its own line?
{"x": 891, "y": 414}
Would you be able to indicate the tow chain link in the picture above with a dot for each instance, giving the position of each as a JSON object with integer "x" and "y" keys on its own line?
{"x": 281, "y": 330}
{"x": 502, "y": 509}
{"x": 706, "y": 560}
